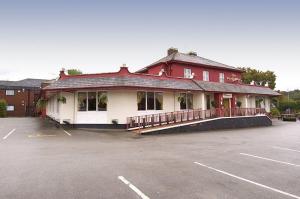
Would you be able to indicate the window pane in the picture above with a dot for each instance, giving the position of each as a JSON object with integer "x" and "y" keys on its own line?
{"x": 150, "y": 100}
{"x": 102, "y": 101}
{"x": 92, "y": 101}
{"x": 190, "y": 101}
{"x": 205, "y": 76}
{"x": 141, "y": 101}
{"x": 10, "y": 92}
{"x": 81, "y": 101}
{"x": 187, "y": 73}
{"x": 159, "y": 101}
{"x": 182, "y": 100}
{"x": 221, "y": 77}
{"x": 208, "y": 102}
{"x": 10, "y": 108}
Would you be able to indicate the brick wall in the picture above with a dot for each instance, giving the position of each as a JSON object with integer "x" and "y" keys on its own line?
{"x": 23, "y": 101}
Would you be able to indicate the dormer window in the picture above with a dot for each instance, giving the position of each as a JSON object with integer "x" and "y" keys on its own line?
{"x": 221, "y": 77}
{"x": 205, "y": 76}
{"x": 187, "y": 73}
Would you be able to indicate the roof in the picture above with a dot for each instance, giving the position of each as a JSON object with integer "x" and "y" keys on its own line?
{"x": 235, "y": 88}
{"x": 138, "y": 81}
{"x": 124, "y": 78}
{"x": 193, "y": 59}
{"x": 25, "y": 83}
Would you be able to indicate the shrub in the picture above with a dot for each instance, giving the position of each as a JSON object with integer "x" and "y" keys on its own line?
{"x": 239, "y": 104}
{"x": 275, "y": 112}
{"x": 3, "y": 105}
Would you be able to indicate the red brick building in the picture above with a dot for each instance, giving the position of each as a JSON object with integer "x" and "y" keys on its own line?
{"x": 21, "y": 96}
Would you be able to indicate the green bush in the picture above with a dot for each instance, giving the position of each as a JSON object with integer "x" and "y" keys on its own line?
{"x": 3, "y": 105}
{"x": 275, "y": 112}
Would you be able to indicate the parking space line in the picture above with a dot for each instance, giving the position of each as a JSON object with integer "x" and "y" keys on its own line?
{"x": 134, "y": 188}
{"x": 263, "y": 158}
{"x": 8, "y": 134}
{"x": 249, "y": 181}
{"x": 39, "y": 135}
{"x": 287, "y": 149}
{"x": 69, "y": 134}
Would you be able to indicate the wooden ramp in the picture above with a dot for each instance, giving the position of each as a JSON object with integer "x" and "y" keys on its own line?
{"x": 197, "y": 120}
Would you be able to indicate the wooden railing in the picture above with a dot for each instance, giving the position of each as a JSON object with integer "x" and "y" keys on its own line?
{"x": 159, "y": 119}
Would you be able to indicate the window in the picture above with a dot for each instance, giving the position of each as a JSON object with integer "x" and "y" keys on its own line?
{"x": 102, "y": 101}
{"x": 141, "y": 100}
{"x": 186, "y": 101}
{"x": 190, "y": 101}
{"x": 187, "y": 73}
{"x": 149, "y": 100}
{"x": 82, "y": 101}
{"x": 158, "y": 101}
{"x": 207, "y": 102}
{"x": 10, "y": 92}
{"x": 92, "y": 101}
{"x": 10, "y": 108}
{"x": 205, "y": 76}
{"x": 221, "y": 77}
{"x": 182, "y": 100}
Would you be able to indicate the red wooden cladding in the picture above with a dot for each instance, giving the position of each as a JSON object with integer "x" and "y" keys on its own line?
{"x": 177, "y": 70}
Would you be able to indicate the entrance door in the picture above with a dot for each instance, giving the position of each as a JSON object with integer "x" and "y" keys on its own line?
{"x": 226, "y": 104}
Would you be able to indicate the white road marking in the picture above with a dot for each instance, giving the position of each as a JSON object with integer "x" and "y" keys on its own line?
{"x": 69, "y": 134}
{"x": 8, "y": 134}
{"x": 249, "y": 181}
{"x": 263, "y": 158}
{"x": 134, "y": 188}
{"x": 287, "y": 149}
{"x": 39, "y": 135}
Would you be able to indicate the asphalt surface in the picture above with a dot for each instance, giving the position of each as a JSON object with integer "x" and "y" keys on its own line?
{"x": 38, "y": 160}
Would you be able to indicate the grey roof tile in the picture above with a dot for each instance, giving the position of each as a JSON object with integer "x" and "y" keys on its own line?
{"x": 124, "y": 81}
{"x": 235, "y": 88}
{"x": 190, "y": 59}
{"x": 155, "y": 82}
{"x": 25, "y": 83}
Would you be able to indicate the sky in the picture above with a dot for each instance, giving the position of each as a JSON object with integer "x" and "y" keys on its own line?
{"x": 39, "y": 37}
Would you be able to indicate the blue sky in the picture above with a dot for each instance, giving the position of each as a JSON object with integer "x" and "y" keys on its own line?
{"x": 38, "y": 38}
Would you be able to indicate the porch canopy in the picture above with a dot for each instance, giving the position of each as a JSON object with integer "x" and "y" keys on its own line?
{"x": 235, "y": 88}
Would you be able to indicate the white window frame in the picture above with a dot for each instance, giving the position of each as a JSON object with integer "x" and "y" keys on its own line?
{"x": 206, "y": 75}
{"x": 10, "y": 92}
{"x": 10, "y": 108}
{"x": 221, "y": 77}
{"x": 187, "y": 73}
{"x": 146, "y": 104}
{"x": 87, "y": 101}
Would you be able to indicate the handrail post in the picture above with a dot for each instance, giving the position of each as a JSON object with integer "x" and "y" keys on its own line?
{"x": 144, "y": 122}
{"x": 152, "y": 120}
{"x": 159, "y": 119}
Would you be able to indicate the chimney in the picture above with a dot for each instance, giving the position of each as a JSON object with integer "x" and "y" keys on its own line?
{"x": 124, "y": 70}
{"x": 172, "y": 51}
{"x": 62, "y": 73}
{"x": 192, "y": 53}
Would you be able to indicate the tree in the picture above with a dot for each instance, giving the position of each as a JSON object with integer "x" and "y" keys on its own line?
{"x": 259, "y": 77}
{"x": 3, "y": 105}
{"x": 74, "y": 72}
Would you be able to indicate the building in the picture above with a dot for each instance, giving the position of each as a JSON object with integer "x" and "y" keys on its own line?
{"x": 21, "y": 96}
{"x": 176, "y": 82}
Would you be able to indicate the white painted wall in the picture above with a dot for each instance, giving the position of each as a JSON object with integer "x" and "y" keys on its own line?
{"x": 67, "y": 109}
{"x": 52, "y": 111}
{"x": 123, "y": 104}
